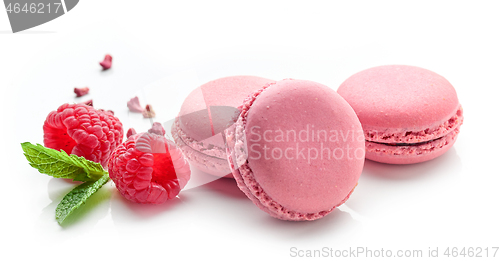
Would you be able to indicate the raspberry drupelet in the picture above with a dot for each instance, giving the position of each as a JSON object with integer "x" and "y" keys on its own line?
{"x": 148, "y": 168}
{"x": 84, "y": 131}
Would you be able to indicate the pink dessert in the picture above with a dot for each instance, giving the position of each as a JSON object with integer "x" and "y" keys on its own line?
{"x": 205, "y": 113}
{"x": 296, "y": 150}
{"x": 409, "y": 114}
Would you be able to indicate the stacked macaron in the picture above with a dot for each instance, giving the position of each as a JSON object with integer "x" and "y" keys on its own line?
{"x": 409, "y": 114}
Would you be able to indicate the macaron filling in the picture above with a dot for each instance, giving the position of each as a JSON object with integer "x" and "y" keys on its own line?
{"x": 207, "y": 149}
{"x": 203, "y": 161}
{"x": 415, "y": 142}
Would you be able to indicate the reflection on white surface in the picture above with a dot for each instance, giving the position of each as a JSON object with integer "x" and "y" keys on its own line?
{"x": 449, "y": 201}
{"x": 448, "y": 162}
{"x": 83, "y": 218}
{"x": 387, "y": 187}
{"x": 124, "y": 211}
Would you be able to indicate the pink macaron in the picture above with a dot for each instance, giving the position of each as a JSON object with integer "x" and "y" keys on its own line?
{"x": 205, "y": 113}
{"x": 409, "y": 114}
{"x": 296, "y": 150}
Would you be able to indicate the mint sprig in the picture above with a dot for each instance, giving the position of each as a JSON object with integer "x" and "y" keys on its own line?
{"x": 76, "y": 197}
{"x": 59, "y": 164}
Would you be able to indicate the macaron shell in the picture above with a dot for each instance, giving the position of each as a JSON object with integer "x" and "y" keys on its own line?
{"x": 224, "y": 95}
{"x": 204, "y": 146}
{"x": 195, "y": 117}
{"x": 296, "y": 188}
{"x": 245, "y": 180}
{"x": 205, "y": 113}
{"x": 399, "y": 97}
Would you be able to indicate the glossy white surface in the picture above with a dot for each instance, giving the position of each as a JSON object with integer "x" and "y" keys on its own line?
{"x": 170, "y": 47}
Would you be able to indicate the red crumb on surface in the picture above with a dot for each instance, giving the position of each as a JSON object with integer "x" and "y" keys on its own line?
{"x": 157, "y": 129}
{"x": 107, "y": 111}
{"x": 149, "y": 112}
{"x": 131, "y": 132}
{"x": 88, "y": 103}
{"x": 81, "y": 91}
{"x": 106, "y": 63}
{"x": 134, "y": 105}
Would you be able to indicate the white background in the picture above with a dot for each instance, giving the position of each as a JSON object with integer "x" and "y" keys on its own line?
{"x": 164, "y": 49}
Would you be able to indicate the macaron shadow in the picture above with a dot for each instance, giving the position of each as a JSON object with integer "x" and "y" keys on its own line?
{"x": 226, "y": 187}
{"x": 411, "y": 171}
{"x": 200, "y": 178}
{"x": 336, "y": 223}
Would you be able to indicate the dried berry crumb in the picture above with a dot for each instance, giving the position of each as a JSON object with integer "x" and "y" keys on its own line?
{"x": 149, "y": 112}
{"x": 81, "y": 91}
{"x": 134, "y": 105}
{"x": 131, "y": 132}
{"x": 107, "y": 111}
{"x": 106, "y": 63}
{"x": 88, "y": 103}
{"x": 157, "y": 129}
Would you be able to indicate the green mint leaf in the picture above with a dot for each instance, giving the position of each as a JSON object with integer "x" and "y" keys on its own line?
{"x": 59, "y": 164}
{"x": 77, "y": 197}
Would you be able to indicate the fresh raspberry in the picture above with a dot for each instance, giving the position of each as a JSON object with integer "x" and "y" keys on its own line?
{"x": 148, "y": 168}
{"x": 84, "y": 131}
